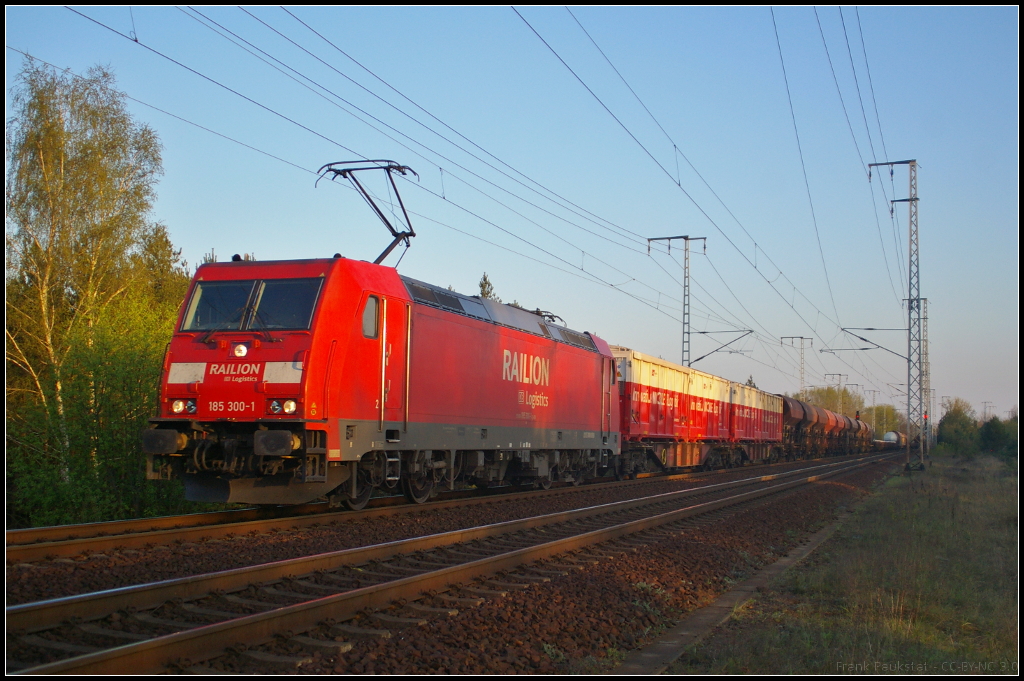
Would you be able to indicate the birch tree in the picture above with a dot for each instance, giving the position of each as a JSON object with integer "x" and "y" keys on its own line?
{"x": 81, "y": 177}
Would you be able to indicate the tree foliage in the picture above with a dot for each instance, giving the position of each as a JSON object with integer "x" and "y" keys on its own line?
{"x": 998, "y": 436}
{"x": 885, "y": 418}
{"x": 487, "y": 289}
{"x": 958, "y": 427}
{"x": 841, "y": 401}
{"x": 93, "y": 285}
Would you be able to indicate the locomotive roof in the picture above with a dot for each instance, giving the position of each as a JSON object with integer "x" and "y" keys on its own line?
{"x": 452, "y": 301}
{"x": 498, "y": 313}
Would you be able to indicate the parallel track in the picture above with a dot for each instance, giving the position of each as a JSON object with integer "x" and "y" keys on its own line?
{"x": 71, "y": 540}
{"x": 455, "y": 557}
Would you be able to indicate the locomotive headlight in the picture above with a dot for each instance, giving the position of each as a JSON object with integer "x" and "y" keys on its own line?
{"x": 289, "y": 406}
{"x": 178, "y": 406}
{"x": 190, "y": 406}
{"x": 241, "y": 350}
{"x": 275, "y": 407}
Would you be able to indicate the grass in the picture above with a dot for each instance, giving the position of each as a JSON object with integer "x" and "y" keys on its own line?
{"x": 921, "y": 579}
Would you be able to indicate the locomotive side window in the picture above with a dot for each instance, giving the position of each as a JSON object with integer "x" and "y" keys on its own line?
{"x": 285, "y": 304}
{"x": 218, "y": 305}
{"x": 370, "y": 317}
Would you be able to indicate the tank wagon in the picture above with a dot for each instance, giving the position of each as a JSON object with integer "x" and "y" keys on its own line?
{"x": 287, "y": 381}
{"x": 892, "y": 440}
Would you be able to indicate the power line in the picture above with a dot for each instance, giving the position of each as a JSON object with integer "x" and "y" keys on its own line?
{"x": 390, "y": 127}
{"x": 596, "y": 219}
{"x": 507, "y": 207}
{"x": 582, "y": 251}
{"x": 856, "y": 82}
{"x": 676, "y": 148}
{"x": 792, "y": 113}
{"x": 838, "y": 90}
{"x": 813, "y": 328}
{"x": 266, "y": 108}
{"x": 597, "y": 279}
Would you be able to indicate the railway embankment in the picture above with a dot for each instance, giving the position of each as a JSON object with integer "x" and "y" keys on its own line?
{"x": 922, "y": 578}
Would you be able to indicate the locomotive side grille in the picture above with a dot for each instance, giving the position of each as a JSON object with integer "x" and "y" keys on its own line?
{"x": 421, "y": 293}
{"x": 448, "y": 301}
{"x": 577, "y": 339}
{"x": 505, "y": 315}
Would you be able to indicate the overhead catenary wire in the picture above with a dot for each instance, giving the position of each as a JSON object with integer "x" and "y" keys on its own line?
{"x": 355, "y": 153}
{"x": 602, "y": 261}
{"x": 677, "y": 151}
{"x": 709, "y": 187}
{"x": 593, "y": 217}
{"x": 668, "y": 174}
{"x": 452, "y": 175}
{"x": 500, "y": 187}
{"x": 295, "y": 122}
{"x": 378, "y": 121}
{"x": 871, "y": 144}
{"x": 803, "y": 166}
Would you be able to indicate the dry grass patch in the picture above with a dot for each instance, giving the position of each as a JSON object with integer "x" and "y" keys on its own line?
{"x": 922, "y": 579}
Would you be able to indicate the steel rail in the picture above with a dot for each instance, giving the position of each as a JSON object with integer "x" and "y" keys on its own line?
{"x": 27, "y": 545}
{"x": 178, "y": 588}
{"x": 208, "y": 641}
{"x": 109, "y": 529}
{"x": 40, "y": 615}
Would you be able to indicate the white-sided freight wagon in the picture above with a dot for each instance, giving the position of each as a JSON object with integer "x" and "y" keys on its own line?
{"x": 675, "y": 416}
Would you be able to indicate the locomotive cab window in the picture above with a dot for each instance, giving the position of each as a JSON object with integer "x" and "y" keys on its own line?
{"x": 370, "y": 317}
{"x": 252, "y": 305}
{"x": 285, "y": 304}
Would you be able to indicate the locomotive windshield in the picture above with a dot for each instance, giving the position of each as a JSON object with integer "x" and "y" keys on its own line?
{"x": 257, "y": 305}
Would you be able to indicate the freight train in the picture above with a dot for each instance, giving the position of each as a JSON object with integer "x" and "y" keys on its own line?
{"x": 288, "y": 381}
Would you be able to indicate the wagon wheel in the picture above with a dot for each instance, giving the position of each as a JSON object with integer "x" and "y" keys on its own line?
{"x": 417, "y": 487}
{"x": 363, "y": 491}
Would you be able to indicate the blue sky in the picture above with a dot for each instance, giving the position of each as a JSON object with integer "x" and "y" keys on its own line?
{"x": 566, "y": 229}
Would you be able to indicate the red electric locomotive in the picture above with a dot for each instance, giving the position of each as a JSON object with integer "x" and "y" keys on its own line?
{"x": 287, "y": 381}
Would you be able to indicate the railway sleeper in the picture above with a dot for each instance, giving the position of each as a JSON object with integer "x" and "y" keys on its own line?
{"x": 428, "y": 610}
{"x": 287, "y": 661}
{"x": 332, "y": 647}
{"x": 395, "y": 620}
{"x": 359, "y": 632}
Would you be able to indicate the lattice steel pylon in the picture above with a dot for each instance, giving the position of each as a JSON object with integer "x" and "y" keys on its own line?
{"x": 803, "y": 391}
{"x": 916, "y": 353}
{"x": 686, "y": 284}
{"x": 926, "y": 379}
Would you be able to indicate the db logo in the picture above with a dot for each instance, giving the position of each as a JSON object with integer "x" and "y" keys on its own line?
{"x": 522, "y": 397}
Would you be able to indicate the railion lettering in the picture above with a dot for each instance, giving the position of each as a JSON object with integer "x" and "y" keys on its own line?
{"x": 249, "y": 368}
{"x": 521, "y": 367}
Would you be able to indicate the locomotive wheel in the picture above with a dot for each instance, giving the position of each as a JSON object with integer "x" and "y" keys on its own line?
{"x": 417, "y": 487}
{"x": 417, "y": 491}
{"x": 363, "y": 491}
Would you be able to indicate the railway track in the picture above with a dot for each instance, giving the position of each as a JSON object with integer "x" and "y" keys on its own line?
{"x": 144, "y": 628}
{"x": 34, "y": 544}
